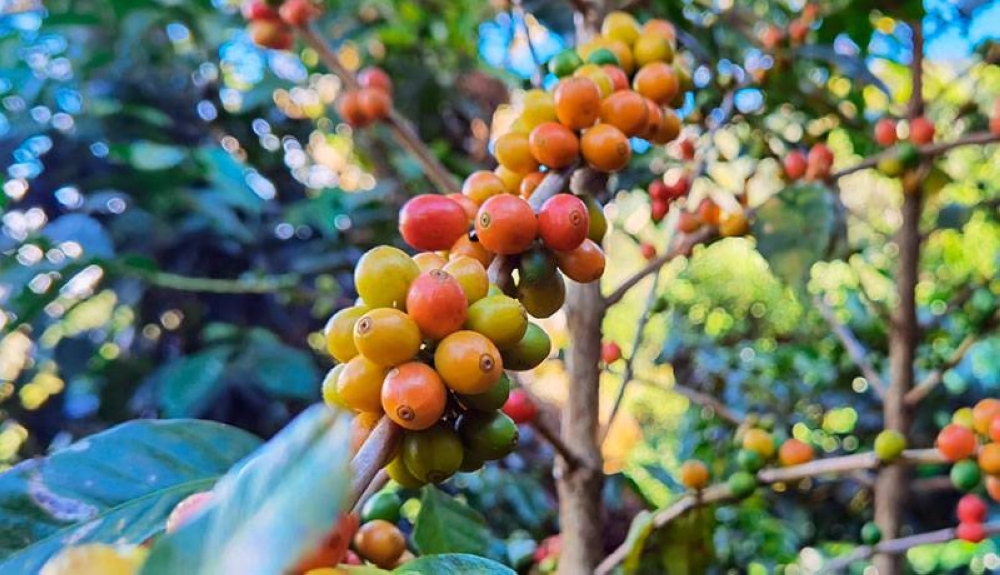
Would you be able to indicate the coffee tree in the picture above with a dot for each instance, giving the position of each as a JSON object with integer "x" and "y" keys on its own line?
{"x": 819, "y": 237}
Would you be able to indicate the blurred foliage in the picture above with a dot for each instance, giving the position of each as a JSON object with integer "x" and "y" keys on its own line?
{"x": 182, "y": 211}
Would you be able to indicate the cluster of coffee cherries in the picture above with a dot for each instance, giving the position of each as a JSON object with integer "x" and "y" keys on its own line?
{"x": 971, "y": 442}
{"x": 758, "y": 448}
{"x": 556, "y": 239}
{"x": 616, "y": 87}
{"x": 674, "y": 187}
{"x": 814, "y": 165}
{"x": 427, "y": 345}
{"x": 620, "y": 85}
{"x": 371, "y": 102}
{"x": 271, "y": 22}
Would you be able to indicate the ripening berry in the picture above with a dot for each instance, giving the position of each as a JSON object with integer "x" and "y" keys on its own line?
{"x": 610, "y": 352}
{"x": 885, "y": 132}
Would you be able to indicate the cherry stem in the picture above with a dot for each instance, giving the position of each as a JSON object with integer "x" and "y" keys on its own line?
{"x": 374, "y": 455}
{"x": 377, "y": 483}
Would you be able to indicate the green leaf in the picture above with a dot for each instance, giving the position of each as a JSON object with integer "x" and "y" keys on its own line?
{"x": 149, "y": 156}
{"x": 271, "y": 510}
{"x": 187, "y": 384}
{"x": 796, "y": 228}
{"x": 453, "y": 564}
{"x": 445, "y": 525}
{"x": 638, "y": 533}
{"x": 115, "y": 486}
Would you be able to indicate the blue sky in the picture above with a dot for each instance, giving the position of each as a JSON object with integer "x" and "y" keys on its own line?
{"x": 951, "y": 41}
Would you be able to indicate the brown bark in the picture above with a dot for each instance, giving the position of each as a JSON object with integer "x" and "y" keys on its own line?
{"x": 892, "y": 484}
{"x": 580, "y": 487}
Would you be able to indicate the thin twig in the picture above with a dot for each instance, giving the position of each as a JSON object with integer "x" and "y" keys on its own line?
{"x": 167, "y": 280}
{"x": 965, "y": 293}
{"x": 517, "y": 10}
{"x": 936, "y": 377}
{"x": 683, "y": 246}
{"x": 720, "y": 492}
{"x": 541, "y": 425}
{"x": 400, "y": 126}
{"x": 699, "y": 398}
{"x": 854, "y": 348}
{"x": 899, "y": 545}
{"x": 552, "y": 437}
{"x": 926, "y": 151}
{"x": 374, "y": 454}
{"x": 627, "y": 373}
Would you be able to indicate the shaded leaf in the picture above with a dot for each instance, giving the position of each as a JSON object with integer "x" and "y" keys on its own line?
{"x": 953, "y": 216}
{"x": 184, "y": 386}
{"x": 149, "y": 156}
{"x": 85, "y": 231}
{"x": 115, "y": 486}
{"x": 445, "y": 525}
{"x": 851, "y": 66}
{"x": 284, "y": 371}
{"x": 797, "y": 228}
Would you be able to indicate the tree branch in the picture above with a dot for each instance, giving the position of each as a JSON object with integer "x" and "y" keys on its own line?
{"x": 853, "y": 347}
{"x": 845, "y": 464}
{"x": 899, "y": 546}
{"x": 892, "y": 484}
{"x": 683, "y": 246}
{"x": 400, "y": 126}
{"x": 627, "y": 373}
{"x": 927, "y": 151}
{"x": 167, "y": 280}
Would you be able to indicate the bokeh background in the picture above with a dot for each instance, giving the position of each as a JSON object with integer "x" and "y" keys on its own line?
{"x": 182, "y": 210}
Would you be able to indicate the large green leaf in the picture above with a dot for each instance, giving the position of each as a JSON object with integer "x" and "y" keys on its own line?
{"x": 796, "y": 228}
{"x": 115, "y": 486}
{"x": 446, "y": 525}
{"x": 453, "y": 564}
{"x": 271, "y": 510}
